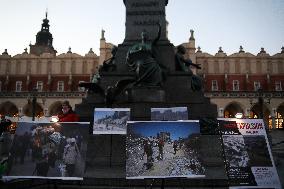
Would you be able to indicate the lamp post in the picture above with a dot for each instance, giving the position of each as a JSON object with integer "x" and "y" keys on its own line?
{"x": 34, "y": 92}
{"x": 261, "y": 113}
{"x": 260, "y": 102}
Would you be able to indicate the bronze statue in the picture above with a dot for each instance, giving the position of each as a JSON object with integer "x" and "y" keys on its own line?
{"x": 96, "y": 77}
{"x": 109, "y": 64}
{"x": 142, "y": 59}
{"x": 183, "y": 64}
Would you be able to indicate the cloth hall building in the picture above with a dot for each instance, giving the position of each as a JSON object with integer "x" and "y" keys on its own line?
{"x": 233, "y": 82}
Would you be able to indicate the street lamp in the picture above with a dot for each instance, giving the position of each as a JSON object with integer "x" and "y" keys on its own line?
{"x": 260, "y": 102}
{"x": 34, "y": 92}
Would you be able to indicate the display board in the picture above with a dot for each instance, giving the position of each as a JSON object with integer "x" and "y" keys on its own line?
{"x": 48, "y": 150}
{"x": 247, "y": 153}
{"x": 110, "y": 120}
{"x": 159, "y": 149}
{"x": 169, "y": 114}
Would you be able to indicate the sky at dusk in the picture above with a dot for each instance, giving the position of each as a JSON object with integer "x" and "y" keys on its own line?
{"x": 78, "y": 24}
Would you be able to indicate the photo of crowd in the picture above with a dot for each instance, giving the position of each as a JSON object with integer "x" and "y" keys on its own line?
{"x": 163, "y": 149}
{"x": 54, "y": 150}
{"x": 110, "y": 121}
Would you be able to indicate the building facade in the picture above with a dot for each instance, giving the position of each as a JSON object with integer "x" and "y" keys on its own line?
{"x": 240, "y": 83}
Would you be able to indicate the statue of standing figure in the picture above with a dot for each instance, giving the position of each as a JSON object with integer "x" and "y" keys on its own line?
{"x": 182, "y": 64}
{"x": 142, "y": 59}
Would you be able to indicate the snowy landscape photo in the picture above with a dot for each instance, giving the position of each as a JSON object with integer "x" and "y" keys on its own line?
{"x": 48, "y": 150}
{"x": 160, "y": 149}
{"x": 110, "y": 121}
{"x": 169, "y": 114}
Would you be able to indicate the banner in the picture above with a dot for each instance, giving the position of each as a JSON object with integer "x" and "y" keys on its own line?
{"x": 159, "y": 149}
{"x": 110, "y": 121}
{"x": 169, "y": 114}
{"x": 247, "y": 153}
{"x": 48, "y": 150}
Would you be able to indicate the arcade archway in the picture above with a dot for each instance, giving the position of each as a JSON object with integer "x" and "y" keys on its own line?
{"x": 258, "y": 112}
{"x": 28, "y": 110}
{"x": 279, "y": 117}
{"x": 232, "y": 109}
{"x": 55, "y": 108}
{"x": 8, "y": 109}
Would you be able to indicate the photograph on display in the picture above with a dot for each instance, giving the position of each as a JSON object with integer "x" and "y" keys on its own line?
{"x": 257, "y": 150}
{"x": 48, "y": 150}
{"x": 159, "y": 149}
{"x": 248, "y": 157}
{"x": 169, "y": 114}
{"x": 110, "y": 121}
{"x": 236, "y": 151}
{"x": 8, "y": 129}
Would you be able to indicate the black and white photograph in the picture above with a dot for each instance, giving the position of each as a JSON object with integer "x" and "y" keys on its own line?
{"x": 48, "y": 150}
{"x": 110, "y": 121}
{"x": 248, "y": 154}
{"x": 235, "y": 151}
{"x": 169, "y": 114}
{"x": 257, "y": 150}
{"x": 159, "y": 149}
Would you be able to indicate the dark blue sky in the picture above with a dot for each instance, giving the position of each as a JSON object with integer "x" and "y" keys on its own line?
{"x": 177, "y": 129}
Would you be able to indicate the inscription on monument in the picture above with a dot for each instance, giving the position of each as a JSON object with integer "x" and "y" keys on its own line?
{"x": 144, "y": 16}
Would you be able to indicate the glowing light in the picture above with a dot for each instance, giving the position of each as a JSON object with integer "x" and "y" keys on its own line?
{"x": 239, "y": 115}
{"x": 54, "y": 119}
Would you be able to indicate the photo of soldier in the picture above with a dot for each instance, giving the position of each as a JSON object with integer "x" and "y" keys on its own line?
{"x": 149, "y": 153}
{"x": 161, "y": 148}
{"x": 169, "y": 149}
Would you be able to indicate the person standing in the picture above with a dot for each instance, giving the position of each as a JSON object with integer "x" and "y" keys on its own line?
{"x": 4, "y": 124}
{"x": 161, "y": 149}
{"x": 149, "y": 152}
{"x": 175, "y": 145}
{"x": 68, "y": 115}
{"x": 70, "y": 155}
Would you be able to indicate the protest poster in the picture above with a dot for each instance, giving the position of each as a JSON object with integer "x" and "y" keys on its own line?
{"x": 160, "y": 149}
{"x": 110, "y": 120}
{"x": 247, "y": 153}
{"x": 169, "y": 114}
{"x": 48, "y": 150}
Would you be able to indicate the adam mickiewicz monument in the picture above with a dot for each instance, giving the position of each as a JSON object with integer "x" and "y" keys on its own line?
{"x": 146, "y": 71}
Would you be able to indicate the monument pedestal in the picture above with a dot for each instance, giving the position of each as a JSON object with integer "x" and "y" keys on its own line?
{"x": 146, "y": 94}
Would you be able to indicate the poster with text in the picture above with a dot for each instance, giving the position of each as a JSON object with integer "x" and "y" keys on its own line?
{"x": 169, "y": 114}
{"x": 48, "y": 150}
{"x": 247, "y": 153}
{"x": 110, "y": 120}
{"x": 163, "y": 149}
